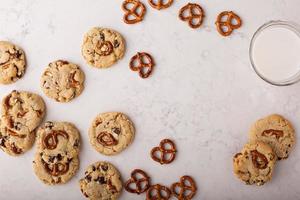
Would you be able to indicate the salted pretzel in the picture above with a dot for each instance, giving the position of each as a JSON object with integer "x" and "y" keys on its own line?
{"x": 195, "y": 14}
{"x": 164, "y": 152}
{"x": 259, "y": 160}
{"x": 106, "y": 139}
{"x": 57, "y": 169}
{"x": 160, "y": 4}
{"x": 158, "y": 192}
{"x": 50, "y": 141}
{"x": 134, "y": 14}
{"x": 228, "y": 23}
{"x": 185, "y": 189}
{"x": 140, "y": 179}
{"x": 104, "y": 48}
{"x": 145, "y": 64}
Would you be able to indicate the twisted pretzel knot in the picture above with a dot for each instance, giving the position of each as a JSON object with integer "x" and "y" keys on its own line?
{"x": 57, "y": 169}
{"x": 139, "y": 186}
{"x": 133, "y": 11}
{"x": 50, "y": 141}
{"x": 161, "y": 4}
{"x": 228, "y": 23}
{"x": 144, "y": 61}
{"x": 259, "y": 160}
{"x": 195, "y": 12}
{"x": 104, "y": 48}
{"x": 164, "y": 152}
{"x": 183, "y": 188}
{"x": 106, "y": 139}
{"x": 158, "y": 192}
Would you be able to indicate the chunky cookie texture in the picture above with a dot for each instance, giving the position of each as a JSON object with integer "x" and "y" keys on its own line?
{"x": 56, "y": 160}
{"x": 277, "y": 131}
{"x": 102, "y": 181}
{"x": 110, "y": 133}
{"x": 62, "y": 81}
{"x": 12, "y": 62}
{"x": 255, "y": 163}
{"x": 22, "y": 112}
{"x": 102, "y": 47}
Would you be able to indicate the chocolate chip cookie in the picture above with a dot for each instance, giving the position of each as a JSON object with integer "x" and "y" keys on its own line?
{"x": 277, "y": 131}
{"x": 102, "y": 47}
{"x": 56, "y": 160}
{"x": 22, "y": 111}
{"x": 62, "y": 81}
{"x": 255, "y": 163}
{"x": 102, "y": 181}
{"x": 12, "y": 62}
{"x": 111, "y": 132}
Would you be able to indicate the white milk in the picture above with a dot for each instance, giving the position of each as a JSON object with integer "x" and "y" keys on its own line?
{"x": 276, "y": 53}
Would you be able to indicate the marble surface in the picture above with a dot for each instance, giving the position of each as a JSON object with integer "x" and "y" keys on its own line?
{"x": 203, "y": 93}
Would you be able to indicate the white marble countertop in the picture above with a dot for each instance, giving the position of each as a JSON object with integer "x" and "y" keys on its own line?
{"x": 203, "y": 93}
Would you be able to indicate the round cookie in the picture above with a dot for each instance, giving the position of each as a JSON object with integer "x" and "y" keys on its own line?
{"x": 255, "y": 163}
{"x": 22, "y": 111}
{"x": 12, "y": 62}
{"x": 58, "y": 137}
{"x": 14, "y": 142}
{"x": 110, "y": 133}
{"x": 277, "y": 132}
{"x": 56, "y": 160}
{"x": 102, "y": 47}
{"x": 57, "y": 169}
{"x": 62, "y": 81}
{"x": 102, "y": 181}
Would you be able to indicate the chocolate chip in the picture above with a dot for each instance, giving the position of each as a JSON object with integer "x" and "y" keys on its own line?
{"x": 116, "y": 44}
{"x": 59, "y": 157}
{"x": 116, "y": 131}
{"x": 104, "y": 167}
{"x": 76, "y": 143}
{"x": 94, "y": 168}
{"x": 88, "y": 178}
{"x": 102, "y": 37}
{"x": 100, "y": 180}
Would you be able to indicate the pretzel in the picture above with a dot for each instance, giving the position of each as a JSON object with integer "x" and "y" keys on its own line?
{"x": 158, "y": 192}
{"x": 271, "y": 132}
{"x": 133, "y": 12}
{"x": 144, "y": 60}
{"x": 104, "y": 48}
{"x": 162, "y": 159}
{"x": 187, "y": 188}
{"x": 106, "y": 139}
{"x": 228, "y": 23}
{"x": 259, "y": 160}
{"x": 161, "y": 4}
{"x": 141, "y": 184}
{"x": 50, "y": 141}
{"x": 57, "y": 169}
{"x": 195, "y": 12}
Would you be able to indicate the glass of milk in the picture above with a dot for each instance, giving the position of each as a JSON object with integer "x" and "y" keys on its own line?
{"x": 275, "y": 52}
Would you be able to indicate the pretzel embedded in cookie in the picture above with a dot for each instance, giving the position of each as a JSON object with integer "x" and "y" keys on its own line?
{"x": 160, "y": 4}
{"x": 158, "y": 192}
{"x": 56, "y": 169}
{"x": 259, "y": 160}
{"x": 106, "y": 139}
{"x": 225, "y": 28}
{"x": 143, "y": 63}
{"x": 193, "y": 14}
{"x": 166, "y": 155}
{"x": 50, "y": 141}
{"x": 104, "y": 48}
{"x": 185, "y": 189}
{"x": 140, "y": 179}
{"x": 134, "y": 11}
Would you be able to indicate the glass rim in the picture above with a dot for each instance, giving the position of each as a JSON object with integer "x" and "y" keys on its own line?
{"x": 285, "y": 24}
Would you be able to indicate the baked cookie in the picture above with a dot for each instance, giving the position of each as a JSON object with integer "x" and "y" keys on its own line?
{"x": 277, "y": 132}
{"x": 110, "y": 133}
{"x": 12, "y": 62}
{"x": 56, "y": 160}
{"x": 102, "y": 47}
{"x": 55, "y": 169}
{"x": 102, "y": 181}
{"x": 22, "y": 111}
{"x": 62, "y": 81}
{"x": 14, "y": 142}
{"x": 255, "y": 163}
